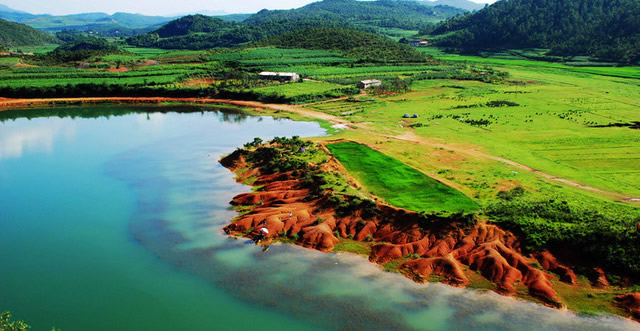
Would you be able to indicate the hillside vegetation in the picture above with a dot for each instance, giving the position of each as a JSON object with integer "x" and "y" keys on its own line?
{"x": 603, "y": 29}
{"x": 16, "y": 34}
{"x": 192, "y": 24}
{"x": 398, "y": 14}
{"x": 358, "y": 44}
{"x": 202, "y": 32}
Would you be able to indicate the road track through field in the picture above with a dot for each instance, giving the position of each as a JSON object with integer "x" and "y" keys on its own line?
{"x": 409, "y": 136}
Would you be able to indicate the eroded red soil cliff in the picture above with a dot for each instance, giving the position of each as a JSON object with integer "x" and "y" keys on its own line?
{"x": 283, "y": 206}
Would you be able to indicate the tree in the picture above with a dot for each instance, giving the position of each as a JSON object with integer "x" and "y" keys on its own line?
{"x": 7, "y": 325}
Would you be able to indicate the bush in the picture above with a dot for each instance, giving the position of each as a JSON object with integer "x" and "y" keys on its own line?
{"x": 7, "y": 325}
{"x": 610, "y": 241}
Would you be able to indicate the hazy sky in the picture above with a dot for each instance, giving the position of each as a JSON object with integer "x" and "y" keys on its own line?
{"x": 154, "y": 7}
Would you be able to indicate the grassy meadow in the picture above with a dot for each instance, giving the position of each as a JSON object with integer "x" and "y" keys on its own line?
{"x": 295, "y": 89}
{"x": 396, "y": 183}
{"x": 556, "y": 123}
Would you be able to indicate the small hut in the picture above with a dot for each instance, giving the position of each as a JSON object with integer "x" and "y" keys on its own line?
{"x": 281, "y": 76}
{"x": 365, "y": 84}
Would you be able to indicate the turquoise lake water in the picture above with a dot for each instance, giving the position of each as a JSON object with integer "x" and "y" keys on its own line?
{"x": 115, "y": 223}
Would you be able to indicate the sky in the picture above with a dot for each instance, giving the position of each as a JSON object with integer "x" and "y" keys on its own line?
{"x": 155, "y": 7}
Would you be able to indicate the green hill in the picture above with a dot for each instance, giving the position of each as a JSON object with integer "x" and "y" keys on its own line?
{"x": 199, "y": 31}
{"x": 398, "y": 14}
{"x": 462, "y": 4}
{"x": 193, "y": 24}
{"x": 357, "y": 44}
{"x": 16, "y": 34}
{"x": 605, "y": 29}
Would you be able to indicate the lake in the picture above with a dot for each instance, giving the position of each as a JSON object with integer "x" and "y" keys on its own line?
{"x": 112, "y": 219}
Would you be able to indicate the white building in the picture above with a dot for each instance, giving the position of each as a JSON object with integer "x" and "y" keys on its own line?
{"x": 365, "y": 84}
{"x": 281, "y": 76}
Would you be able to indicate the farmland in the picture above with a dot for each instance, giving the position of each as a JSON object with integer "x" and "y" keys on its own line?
{"x": 294, "y": 89}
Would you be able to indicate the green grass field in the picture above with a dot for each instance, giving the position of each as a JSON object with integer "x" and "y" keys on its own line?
{"x": 396, "y": 183}
{"x": 8, "y": 61}
{"x": 293, "y": 89}
{"x": 511, "y": 60}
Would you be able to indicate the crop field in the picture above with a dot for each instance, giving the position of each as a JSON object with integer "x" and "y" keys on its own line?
{"x": 38, "y": 49}
{"x": 146, "y": 51}
{"x": 343, "y": 107}
{"x": 52, "y": 76}
{"x": 8, "y": 61}
{"x": 318, "y": 71}
{"x": 508, "y": 60}
{"x": 391, "y": 180}
{"x": 266, "y": 53}
{"x": 277, "y": 59}
{"x": 294, "y": 89}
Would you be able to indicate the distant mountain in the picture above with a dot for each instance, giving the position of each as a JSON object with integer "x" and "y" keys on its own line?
{"x": 9, "y": 10}
{"x": 401, "y": 14}
{"x": 462, "y": 4}
{"x": 13, "y": 15}
{"x": 606, "y": 29}
{"x": 16, "y": 35}
{"x": 118, "y": 23}
{"x": 137, "y": 21}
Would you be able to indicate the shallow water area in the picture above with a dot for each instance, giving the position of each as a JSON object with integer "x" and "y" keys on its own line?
{"x": 115, "y": 222}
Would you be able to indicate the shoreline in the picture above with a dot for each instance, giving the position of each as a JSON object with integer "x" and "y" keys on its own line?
{"x": 9, "y": 104}
{"x": 481, "y": 256}
{"x": 409, "y": 137}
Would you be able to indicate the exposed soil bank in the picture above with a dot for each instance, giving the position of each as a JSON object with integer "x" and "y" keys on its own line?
{"x": 7, "y": 103}
{"x": 399, "y": 239}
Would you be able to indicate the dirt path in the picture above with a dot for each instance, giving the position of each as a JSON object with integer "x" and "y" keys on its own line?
{"x": 409, "y": 136}
{"x": 412, "y": 137}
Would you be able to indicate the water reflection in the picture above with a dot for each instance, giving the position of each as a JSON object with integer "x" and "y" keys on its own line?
{"x": 181, "y": 221}
{"x": 39, "y": 137}
{"x": 228, "y": 113}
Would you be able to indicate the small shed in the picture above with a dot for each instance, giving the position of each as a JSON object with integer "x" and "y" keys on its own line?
{"x": 419, "y": 42}
{"x": 281, "y": 76}
{"x": 414, "y": 116}
{"x": 406, "y": 116}
{"x": 365, "y": 84}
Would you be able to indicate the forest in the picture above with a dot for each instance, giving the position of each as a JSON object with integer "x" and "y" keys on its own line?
{"x": 608, "y": 30}
{"x": 15, "y": 35}
{"x": 202, "y": 32}
{"x": 362, "y": 45}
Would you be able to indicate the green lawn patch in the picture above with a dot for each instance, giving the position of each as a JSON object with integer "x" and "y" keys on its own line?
{"x": 397, "y": 183}
{"x": 295, "y": 89}
{"x": 352, "y": 246}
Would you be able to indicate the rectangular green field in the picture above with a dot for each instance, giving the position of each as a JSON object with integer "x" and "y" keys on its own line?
{"x": 294, "y": 89}
{"x": 397, "y": 183}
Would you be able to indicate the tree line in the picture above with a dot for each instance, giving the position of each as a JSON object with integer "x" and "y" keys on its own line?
{"x": 605, "y": 29}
